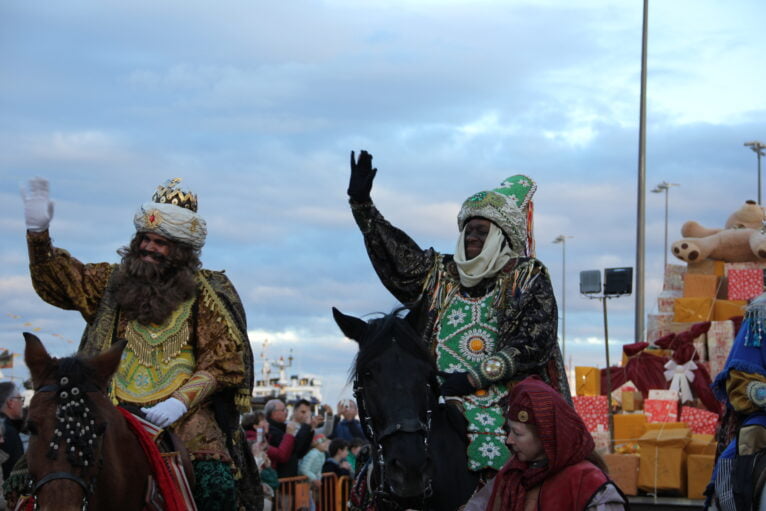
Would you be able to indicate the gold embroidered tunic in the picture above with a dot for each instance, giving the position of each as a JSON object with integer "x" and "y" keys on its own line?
{"x": 208, "y": 353}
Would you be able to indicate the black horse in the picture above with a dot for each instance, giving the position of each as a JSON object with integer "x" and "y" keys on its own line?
{"x": 418, "y": 446}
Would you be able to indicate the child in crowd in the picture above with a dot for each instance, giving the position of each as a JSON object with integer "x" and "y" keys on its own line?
{"x": 337, "y": 462}
{"x": 311, "y": 464}
{"x": 355, "y": 447}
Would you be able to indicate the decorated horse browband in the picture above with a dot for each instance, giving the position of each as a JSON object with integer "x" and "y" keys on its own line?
{"x": 76, "y": 424}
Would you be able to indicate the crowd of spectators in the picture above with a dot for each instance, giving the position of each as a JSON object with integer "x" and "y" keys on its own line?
{"x": 311, "y": 442}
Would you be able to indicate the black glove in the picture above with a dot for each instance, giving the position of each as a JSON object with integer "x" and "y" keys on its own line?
{"x": 456, "y": 384}
{"x": 362, "y": 174}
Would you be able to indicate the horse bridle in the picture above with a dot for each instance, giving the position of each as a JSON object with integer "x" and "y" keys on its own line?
{"x": 383, "y": 491}
{"x": 70, "y": 397}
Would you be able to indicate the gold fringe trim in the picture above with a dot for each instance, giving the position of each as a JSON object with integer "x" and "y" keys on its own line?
{"x": 171, "y": 346}
{"x": 144, "y": 340}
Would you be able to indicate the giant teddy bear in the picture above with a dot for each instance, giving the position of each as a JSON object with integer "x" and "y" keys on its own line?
{"x": 743, "y": 239}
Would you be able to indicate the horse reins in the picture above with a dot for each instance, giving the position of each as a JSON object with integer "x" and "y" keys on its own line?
{"x": 404, "y": 426}
{"x": 71, "y": 401}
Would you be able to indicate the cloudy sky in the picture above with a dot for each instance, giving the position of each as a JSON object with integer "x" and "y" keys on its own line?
{"x": 257, "y": 105}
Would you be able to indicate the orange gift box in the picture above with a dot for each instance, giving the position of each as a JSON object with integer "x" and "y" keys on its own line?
{"x": 588, "y": 381}
{"x": 727, "y": 309}
{"x": 707, "y": 266}
{"x": 623, "y": 470}
{"x": 632, "y": 401}
{"x": 662, "y": 465}
{"x": 628, "y": 427}
{"x": 700, "y": 284}
{"x": 692, "y": 310}
{"x": 701, "y": 444}
{"x": 666, "y": 425}
{"x": 699, "y": 468}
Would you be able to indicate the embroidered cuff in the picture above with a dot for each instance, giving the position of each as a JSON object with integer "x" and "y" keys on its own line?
{"x": 756, "y": 392}
{"x": 196, "y": 389}
{"x": 40, "y": 247}
{"x": 499, "y": 367}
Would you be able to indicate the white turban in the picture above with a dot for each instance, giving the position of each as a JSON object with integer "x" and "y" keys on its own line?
{"x": 173, "y": 222}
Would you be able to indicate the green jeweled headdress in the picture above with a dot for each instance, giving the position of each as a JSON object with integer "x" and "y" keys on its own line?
{"x": 509, "y": 207}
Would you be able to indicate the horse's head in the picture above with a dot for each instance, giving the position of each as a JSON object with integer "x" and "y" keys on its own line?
{"x": 67, "y": 419}
{"x": 395, "y": 385}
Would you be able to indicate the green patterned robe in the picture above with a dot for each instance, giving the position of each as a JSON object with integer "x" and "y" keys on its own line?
{"x": 512, "y": 316}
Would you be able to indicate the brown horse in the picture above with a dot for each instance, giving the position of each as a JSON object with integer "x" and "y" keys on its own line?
{"x": 81, "y": 454}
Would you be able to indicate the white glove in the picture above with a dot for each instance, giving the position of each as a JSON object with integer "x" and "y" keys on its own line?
{"x": 38, "y": 209}
{"x": 165, "y": 413}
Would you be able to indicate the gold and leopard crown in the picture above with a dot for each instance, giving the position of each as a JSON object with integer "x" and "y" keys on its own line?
{"x": 168, "y": 193}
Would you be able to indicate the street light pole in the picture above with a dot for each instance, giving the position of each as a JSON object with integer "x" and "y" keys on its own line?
{"x": 758, "y": 148}
{"x": 665, "y": 187}
{"x": 563, "y": 240}
{"x": 641, "y": 209}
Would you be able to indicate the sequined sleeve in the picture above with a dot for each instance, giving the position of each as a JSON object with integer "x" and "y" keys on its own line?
{"x": 528, "y": 326}
{"x": 219, "y": 348}
{"x": 400, "y": 263}
{"x": 62, "y": 280}
{"x": 737, "y": 389}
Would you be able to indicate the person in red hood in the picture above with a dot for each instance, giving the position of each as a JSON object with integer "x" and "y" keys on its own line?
{"x": 553, "y": 464}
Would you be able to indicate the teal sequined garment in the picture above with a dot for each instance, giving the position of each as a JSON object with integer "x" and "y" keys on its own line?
{"x": 215, "y": 489}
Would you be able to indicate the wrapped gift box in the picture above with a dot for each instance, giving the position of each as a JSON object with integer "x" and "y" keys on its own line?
{"x": 593, "y": 410}
{"x": 662, "y": 466}
{"x": 628, "y": 386}
{"x": 658, "y": 325}
{"x": 601, "y": 440}
{"x": 674, "y": 277}
{"x": 720, "y": 338}
{"x": 665, "y": 301}
{"x": 665, "y": 425}
{"x": 661, "y": 410}
{"x": 670, "y": 395}
{"x": 623, "y": 470}
{"x": 752, "y": 265}
{"x": 701, "y": 444}
{"x": 699, "y": 468}
{"x": 692, "y": 310}
{"x": 699, "y": 421}
{"x": 588, "y": 381}
{"x": 744, "y": 284}
{"x": 628, "y": 427}
{"x": 707, "y": 266}
{"x": 727, "y": 309}
{"x": 700, "y": 285}
{"x": 632, "y": 401}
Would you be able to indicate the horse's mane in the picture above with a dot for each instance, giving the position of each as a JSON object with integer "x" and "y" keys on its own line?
{"x": 379, "y": 334}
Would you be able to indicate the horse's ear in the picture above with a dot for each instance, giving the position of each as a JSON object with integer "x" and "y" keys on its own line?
{"x": 106, "y": 363}
{"x": 353, "y": 328}
{"x": 36, "y": 357}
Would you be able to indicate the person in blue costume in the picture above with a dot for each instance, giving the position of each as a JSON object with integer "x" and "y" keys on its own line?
{"x": 740, "y": 471}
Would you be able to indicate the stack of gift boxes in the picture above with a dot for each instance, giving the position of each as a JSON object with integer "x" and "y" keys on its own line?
{"x": 661, "y": 445}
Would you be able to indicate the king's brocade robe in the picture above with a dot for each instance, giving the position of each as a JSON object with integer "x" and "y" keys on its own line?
{"x": 511, "y": 317}
{"x": 214, "y": 360}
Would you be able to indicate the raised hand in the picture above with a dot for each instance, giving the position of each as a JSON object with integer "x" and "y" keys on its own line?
{"x": 38, "y": 208}
{"x": 362, "y": 174}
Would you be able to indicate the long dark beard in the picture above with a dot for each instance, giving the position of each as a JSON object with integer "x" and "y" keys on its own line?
{"x": 150, "y": 292}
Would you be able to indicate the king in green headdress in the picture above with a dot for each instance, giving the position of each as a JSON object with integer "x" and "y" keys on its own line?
{"x": 488, "y": 311}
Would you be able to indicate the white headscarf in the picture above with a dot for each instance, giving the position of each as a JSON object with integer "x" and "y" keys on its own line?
{"x": 493, "y": 257}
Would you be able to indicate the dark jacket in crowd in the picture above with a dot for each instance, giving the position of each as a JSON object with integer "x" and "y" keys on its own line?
{"x": 347, "y": 430}
{"x": 12, "y": 444}
{"x": 302, "y": 445}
